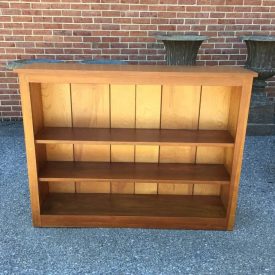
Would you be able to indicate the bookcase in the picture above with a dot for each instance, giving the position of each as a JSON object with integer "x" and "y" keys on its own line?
{"x": 134, "y": 145}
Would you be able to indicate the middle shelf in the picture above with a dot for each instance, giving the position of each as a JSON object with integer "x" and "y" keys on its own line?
{"x": 74, "y": 135}
{"x": 54, "y": 171}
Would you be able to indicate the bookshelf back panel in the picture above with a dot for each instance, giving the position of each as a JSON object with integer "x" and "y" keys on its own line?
{"x": 136, "y": 106}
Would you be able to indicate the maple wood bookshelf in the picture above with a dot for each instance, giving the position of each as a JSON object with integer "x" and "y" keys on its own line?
{"x": 134, "y": 146}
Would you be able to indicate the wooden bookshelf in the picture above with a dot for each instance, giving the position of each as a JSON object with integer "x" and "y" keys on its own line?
{"x": 134, "y": 146}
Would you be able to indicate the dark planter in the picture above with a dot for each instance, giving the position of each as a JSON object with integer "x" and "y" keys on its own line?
{"x": 261, "y": 59}
{"x": 181, "y": 49}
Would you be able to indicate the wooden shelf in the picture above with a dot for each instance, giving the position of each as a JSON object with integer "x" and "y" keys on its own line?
{"x": 109, "y": 210}
{"x": 95, "y": 133}
{"x": 67, "y": 135}
{"x": 141, "y": 172}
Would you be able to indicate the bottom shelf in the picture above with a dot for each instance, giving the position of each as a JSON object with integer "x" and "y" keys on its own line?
{"x": 149, "y": 211}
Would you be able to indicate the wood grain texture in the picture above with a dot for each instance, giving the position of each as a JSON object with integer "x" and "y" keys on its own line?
{"x": 148, "y": 106}
{"x": 180, "y": 107}
{"x": 175, "y": 189}
{"x": 194, "y": 223}
{"x": 238, "y": 151}
{"x": 90, "y": 105}
{"x": 192, "y": 98}
{"x": 62, "y": 68}
{"x": 116, "y": 136}
{"x": 176, "y": 154}
{"x": 228, "y": 165}
{"x": 180, "y": 110}
{"x": 123, "y": 187}
{"x": 38, "y": 125}
{"x": 143, "y": 172}
{"x": 214, "y": 113}
{"x": 91, "y": 109}
{"x": 37, "y": 107}
{"x": 123, "y": 115}
{"x": 215, "y": 104}
{"x": 123, "y": 106}
{"x": 212, "y": 155}
{"x": 56, "y": 101}
{"x": 86, "y": 153}
{"x": 30, "y": 150}
{"x": 134, "y": 205}
{"x": 138, "y": 74}
{"x": 60, "y": 152}
{"x": 145, "y": 211}
{"x": 234, "y": 110}
{"x": 232, "y": 128}
{"x": 148, "y": 100}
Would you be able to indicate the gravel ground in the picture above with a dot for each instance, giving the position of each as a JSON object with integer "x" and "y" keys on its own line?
{"x": 249, "y": 249}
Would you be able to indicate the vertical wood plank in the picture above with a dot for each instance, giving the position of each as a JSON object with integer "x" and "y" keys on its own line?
{"x": 123, "y": 187}
{"x": 56, "y": 100}
{"x": 122, "y": 153}
{"x": 91, "y": 108}
{"x": 214, "y": 112}
{"x": 238, "y": 151}
{"x": 177, "y": 154}
{"x": 234, "y": 110}
{"x": 146, "y": 154}
{"x": 38, "y": 124}
{"x": 208, "y": 155}
{"x": 215, "y": 103}
{"x": 232, "y": 127}
{"x": 228, "y": 165}
{"x": 90, "y": 105}
{"x": 148, "y": 105}
{"x": 37, "y": 107}
{"x": 180, "y": 107}
{"x": 30, "y": 149}
{"x": 148, "y": 99}
{"x": 180, "y": 110}
{"x": 122, "y": 106}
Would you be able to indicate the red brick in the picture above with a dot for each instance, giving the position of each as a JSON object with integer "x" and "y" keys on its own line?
{"x": 73, "y": 30}
{"x": 187, "y": 2}
{"x": 234, "y": 2}
{"x": 5, "y": 108}
{"x": 16, "y": 108}
{"x": 10, "y": 114}
{"x": 130, "y": 27}
{"x": 32, "y": 12}
{"x": 10, "y": 102}
{"x": 63, "y": 19}
{"x": 5, "y": 18}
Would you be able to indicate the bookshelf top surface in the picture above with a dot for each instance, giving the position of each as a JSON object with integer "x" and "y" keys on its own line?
{"x": 160, "y": 69}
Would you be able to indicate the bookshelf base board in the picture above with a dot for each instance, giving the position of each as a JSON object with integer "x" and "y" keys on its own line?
{"x": 137, "y": 211}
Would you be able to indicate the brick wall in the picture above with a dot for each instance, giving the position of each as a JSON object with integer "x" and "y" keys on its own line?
{"x": 81, "y": 29}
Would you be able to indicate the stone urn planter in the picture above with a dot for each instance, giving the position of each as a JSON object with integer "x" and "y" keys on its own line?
{"x": 181, "y": 49}
{"x": 261, "y": 59}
